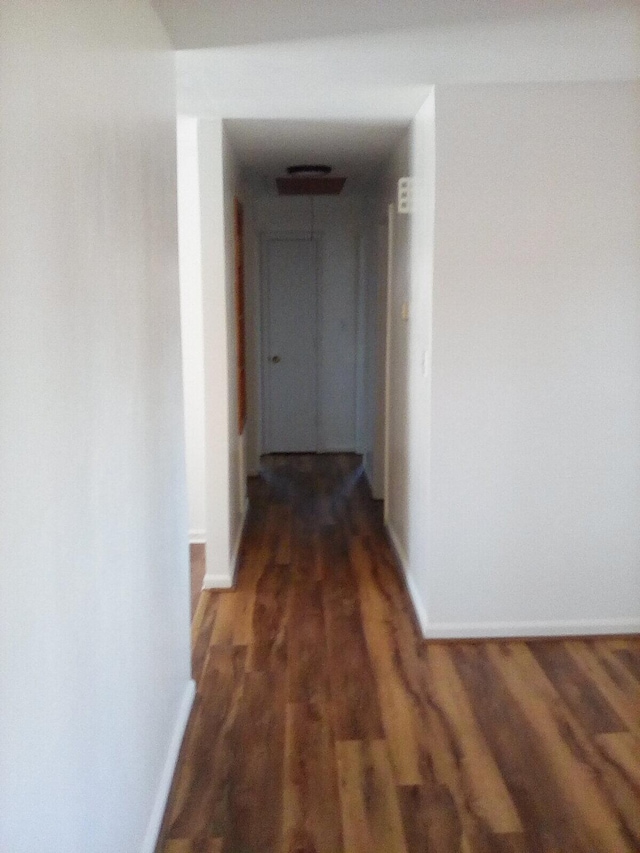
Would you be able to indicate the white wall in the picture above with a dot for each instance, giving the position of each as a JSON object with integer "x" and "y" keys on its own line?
{"x": 208, "y": 182}
{"x": 382, "y": 76}
{"x": 94, "y": 602}
{"x": 406, "y": 350}
{"x": 271, "y": 20}
{"x": 423, "y": 171}
{"x": 567, "y": 40}
{"x": 396, "y": 491}
{"x": 237, "y": 466}
{"x": 337, "y": 220}
{"x": 192, "y": 321}
{"x": 375, "y": 243}
{"x": 536, "y": 361}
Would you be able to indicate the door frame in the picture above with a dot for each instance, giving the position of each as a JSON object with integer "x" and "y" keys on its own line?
{"x": 391, "y": 223}
{"x": 265, "y": 325}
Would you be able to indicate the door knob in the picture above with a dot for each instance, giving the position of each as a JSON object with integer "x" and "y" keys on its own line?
{"x": 275, "y": 359}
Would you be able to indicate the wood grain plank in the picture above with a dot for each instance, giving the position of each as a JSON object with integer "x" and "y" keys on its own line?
{"x": 430, "y": 819}
{"x": 522, "y": 756}
{"x": 623, "y": 750}
{"x": 354, "y": 696}
{"x": 485, "y": 790}
{"x": 308, "y": 679}
{"x": 224, "y": 626}
{"x": 187, "y": 845}
{"x": 371, "y": 819}
{"x": 490, "y": 747}
{"x": 400, "y": 703}
{"x": 312, "y": 817}
{"x": 626, "y": 707}
{"x": 255, "y": 792}
{"x": 198, "y": 806}
{"x": 268, "y": 641}
{"x": 283, "y": 520}
{"x": 578, "y": 690}
{"x": 205, "y": 614}
{"x": 630, "y": 657}
{"x": 608, "y": 655}
{"x": 197, "y": 563}
{"x": 599, "y": 824}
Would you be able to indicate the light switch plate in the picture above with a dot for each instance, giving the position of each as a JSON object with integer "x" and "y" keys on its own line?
{"x": 405, "y": 195}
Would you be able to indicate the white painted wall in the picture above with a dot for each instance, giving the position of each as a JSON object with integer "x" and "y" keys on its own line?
{"x": 423, "y": 171}
{"x": 337, "y": 221}
{"x": 208, "y": 182}
{"x": 375, "y": 244}
{"x": 192, "y": 321}
{"x": 396, "y": 492}
{"x": 405, "y": 347}
{"x": 237, "y": 454}
{"x": 301, "y": 44}
{"x": 94, "y": 601}
{"x": 381, "y": 76}
{"x": 536, "y": 361}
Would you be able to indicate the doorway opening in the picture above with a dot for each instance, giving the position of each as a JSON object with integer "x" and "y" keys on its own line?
{"x": 302, "y": 330}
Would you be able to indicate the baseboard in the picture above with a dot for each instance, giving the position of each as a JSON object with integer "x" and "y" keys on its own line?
{"x": 503, "y": 630}
{"x": 542, "y": 628}
{"x": 418, "y": 603}
{"x": 221, "y": 581}
{"x": 197, "y": 537}
{"x": 162, "y": 795}
{"x": 416, "y": 599}
{"x": 217, "y": 582}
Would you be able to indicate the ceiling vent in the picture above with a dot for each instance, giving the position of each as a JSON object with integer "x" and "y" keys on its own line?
{"x": 309, "y": 180}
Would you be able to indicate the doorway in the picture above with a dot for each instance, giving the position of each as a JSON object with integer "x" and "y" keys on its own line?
{"x": 290, "y": 343}
{"x": 306, "y": 391}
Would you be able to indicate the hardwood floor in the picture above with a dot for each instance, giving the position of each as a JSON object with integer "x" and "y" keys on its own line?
{"x": 324, "y": 723}
{"x": 197, "y": 557}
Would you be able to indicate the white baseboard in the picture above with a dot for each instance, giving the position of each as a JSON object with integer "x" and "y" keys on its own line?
{"x": 482, "y": 630}
{"x": 166, "y": 778}
{"x": 418, "y": 603}
{"x": 217, "y": 582}
{"x": 416, "y": 599}
{"x": 542, "y": 628}
{"x": 220, "y": 581}
{"x": 398, "y": 550}
{"x": 197, "y": 537}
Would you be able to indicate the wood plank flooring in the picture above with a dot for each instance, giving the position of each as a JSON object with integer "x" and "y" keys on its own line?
{"x": 197, "y": 558}
{"x": 324, "y": 723}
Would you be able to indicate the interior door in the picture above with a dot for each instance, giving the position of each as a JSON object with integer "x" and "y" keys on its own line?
{"x": 290, "y": 322}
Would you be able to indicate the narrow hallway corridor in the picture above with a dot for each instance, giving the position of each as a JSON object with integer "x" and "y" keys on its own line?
{"x": 324, "y": 723}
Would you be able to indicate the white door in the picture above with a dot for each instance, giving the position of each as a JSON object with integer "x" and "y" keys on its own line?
{"x": 289, "y": 352}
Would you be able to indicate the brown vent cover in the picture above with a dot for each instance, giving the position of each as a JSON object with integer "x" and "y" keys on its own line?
{"x": 310, "y": 186}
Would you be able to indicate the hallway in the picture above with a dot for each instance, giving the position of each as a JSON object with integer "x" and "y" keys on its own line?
{"x": 323, "y": 722}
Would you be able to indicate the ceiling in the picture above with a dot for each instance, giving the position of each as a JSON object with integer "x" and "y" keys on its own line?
{"x": 297, "y": 80}
{"x": 354, "y": 149}
{"x": 213, "y": 23}
{"x": 385, "y": 76}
